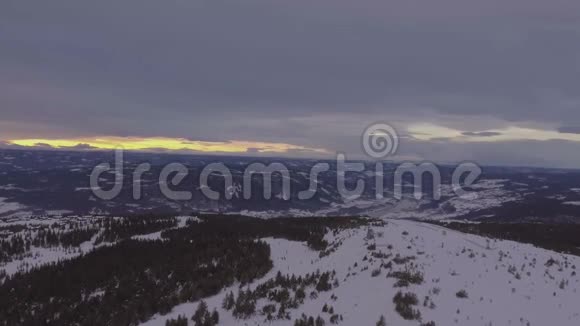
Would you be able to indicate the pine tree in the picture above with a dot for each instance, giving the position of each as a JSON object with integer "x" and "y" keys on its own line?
{"x": 200, "y": 313}
{"x": 180, "y": 321}
{"x": 370, "y": 234}
{"x": 382, "y": 321}
{"x": 215, "y": 317}
{"x": 229, "y": 301}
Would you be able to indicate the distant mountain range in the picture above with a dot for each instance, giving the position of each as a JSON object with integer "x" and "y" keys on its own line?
{"x": 34, "y": 183}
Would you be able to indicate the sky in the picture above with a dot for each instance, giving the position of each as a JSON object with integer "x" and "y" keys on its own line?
{"x": 495, "y": 81}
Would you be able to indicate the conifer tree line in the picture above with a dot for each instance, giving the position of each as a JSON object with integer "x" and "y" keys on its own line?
{"x": 130, "y": 281}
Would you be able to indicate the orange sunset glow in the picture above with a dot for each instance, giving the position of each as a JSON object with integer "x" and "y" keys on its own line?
{"x": 165, "y": 143}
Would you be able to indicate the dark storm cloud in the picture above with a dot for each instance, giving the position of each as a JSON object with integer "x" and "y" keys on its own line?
{"x": 43, "y": 146}
{"x": 82, "y": 147}
{"x": 554, "y": 153}
{"x": 570, "y": 130}
{"x": 258, "y": 70}
{"x": 481, "y": 133}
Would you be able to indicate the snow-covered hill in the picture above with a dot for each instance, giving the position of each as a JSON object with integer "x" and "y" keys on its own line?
{"x": 457, "y": 279}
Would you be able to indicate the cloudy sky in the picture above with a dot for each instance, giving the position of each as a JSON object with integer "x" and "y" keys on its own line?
{"x": 494, "y": 81}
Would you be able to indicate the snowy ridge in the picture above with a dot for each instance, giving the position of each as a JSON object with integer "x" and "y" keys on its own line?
{"x": 466, "y": 279}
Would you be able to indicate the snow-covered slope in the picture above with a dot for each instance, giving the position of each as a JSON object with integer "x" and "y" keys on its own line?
{"x": 466, "y": 280}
